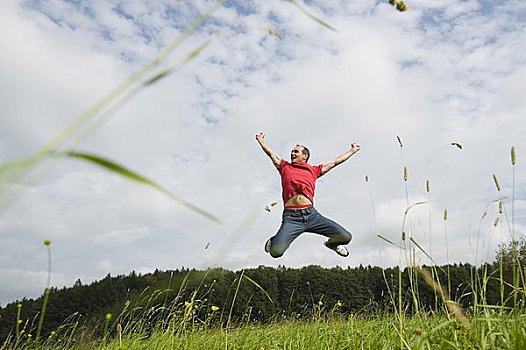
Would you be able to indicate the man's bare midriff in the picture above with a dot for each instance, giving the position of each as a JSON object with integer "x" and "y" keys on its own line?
{"x": 298, "y": 200}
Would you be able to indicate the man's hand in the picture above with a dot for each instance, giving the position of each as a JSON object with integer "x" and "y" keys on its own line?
{"x": 340, "y": 159}
{"x": 260, "y": 137}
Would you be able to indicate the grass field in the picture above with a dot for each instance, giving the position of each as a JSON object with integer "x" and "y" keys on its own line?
{"x": 376, "y": 331}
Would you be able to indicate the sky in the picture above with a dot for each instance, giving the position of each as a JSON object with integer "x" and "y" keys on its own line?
{"x": 441, "y": 72}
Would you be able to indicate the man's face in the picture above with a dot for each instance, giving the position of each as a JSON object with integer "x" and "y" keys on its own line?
{"x": 297, "y": 156}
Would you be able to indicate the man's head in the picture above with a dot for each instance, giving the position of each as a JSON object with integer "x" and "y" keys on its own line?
{"x": 299, "y": 154}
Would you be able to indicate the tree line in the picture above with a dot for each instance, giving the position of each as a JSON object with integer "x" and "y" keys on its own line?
{"x": 264, "y": 293}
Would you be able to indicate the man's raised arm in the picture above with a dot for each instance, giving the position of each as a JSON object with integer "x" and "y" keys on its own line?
{"x": 340, "y": 159}
{"x": 276, "y": 160}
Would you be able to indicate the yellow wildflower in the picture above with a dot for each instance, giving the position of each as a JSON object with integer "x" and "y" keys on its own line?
{"x": 214, "y": 308}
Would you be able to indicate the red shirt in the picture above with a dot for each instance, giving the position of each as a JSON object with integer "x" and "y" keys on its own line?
{"x": 298, "y": 178}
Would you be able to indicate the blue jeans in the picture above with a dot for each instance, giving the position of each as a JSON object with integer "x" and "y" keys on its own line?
{"x": 297, "y": 221}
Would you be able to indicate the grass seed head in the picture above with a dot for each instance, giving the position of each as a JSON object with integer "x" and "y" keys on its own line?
{"x": 496, "y": 182}
{"x": 457, "y": 144}
{"x": 405, "y": 173}
{"x": 399, "y": 141}
{"x": 445, "y": 214}
{"x": 496, "y": 222}
{"x": 427, "y": 186}
{"x": 47, "y": 242}
{"x": 401, "y": 6}
{"x": 513, "y": 155}
{"x": 500, "y": 207}
{"x": 273, "y": 32}
{"x": 403, "y": 236}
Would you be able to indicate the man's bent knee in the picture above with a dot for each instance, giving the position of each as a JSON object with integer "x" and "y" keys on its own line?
{"x": 349, "y": 237}
{"x": 344, "y": 237}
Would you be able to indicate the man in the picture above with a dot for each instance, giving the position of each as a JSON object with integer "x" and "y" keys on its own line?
{"x": 298, "y": 182}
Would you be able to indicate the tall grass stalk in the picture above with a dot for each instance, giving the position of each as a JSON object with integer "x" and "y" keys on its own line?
{"x": 18, "y": 322}
{"x": 513, "y": 193}
{"x": 46, "y": 296}
{"x": 447, "y": 252}
{"x": 106, "y": 323}
{"x": 520, "y": 276}
{"x": 434, "y": 274}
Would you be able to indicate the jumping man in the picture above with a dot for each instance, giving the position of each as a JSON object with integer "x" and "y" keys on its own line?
{"x": 298, "y": 182}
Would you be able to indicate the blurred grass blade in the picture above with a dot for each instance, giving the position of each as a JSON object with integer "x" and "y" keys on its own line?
{"x": 97, "y": 107}
{"x": 105, "y": 163}
{"x": 190, "y": 56}
{"x": 11, "y": 174}
{"x": 388, "y": 241}
{"x": 308, "y": 14}
{"x": 171, "y": 68}
{"x": 429, "y": 256}
{"x": 257, "y": 285}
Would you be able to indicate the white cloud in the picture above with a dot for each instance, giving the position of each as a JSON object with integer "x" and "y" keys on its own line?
{"x": 105, "y": 266}
{"x": 28, "y": 283}
{"x": 122, "y": 237}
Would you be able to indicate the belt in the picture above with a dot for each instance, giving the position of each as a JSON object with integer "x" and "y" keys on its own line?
{"x": 299, "y": 212}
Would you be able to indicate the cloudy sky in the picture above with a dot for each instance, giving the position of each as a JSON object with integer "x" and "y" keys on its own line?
{"x": 442, "y": 72}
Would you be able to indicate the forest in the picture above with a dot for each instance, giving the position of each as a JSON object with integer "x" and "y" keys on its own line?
{"x": 263, "y": 294}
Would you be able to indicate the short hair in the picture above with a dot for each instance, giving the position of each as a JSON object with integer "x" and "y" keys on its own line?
{"x": 305, "y": 152}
